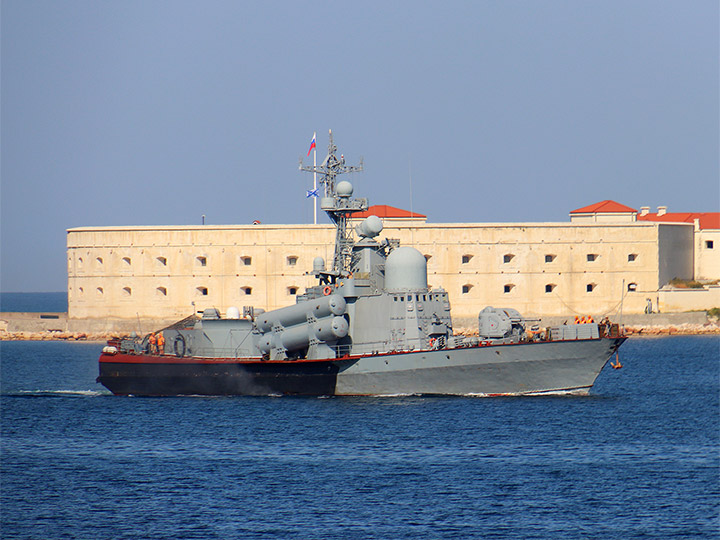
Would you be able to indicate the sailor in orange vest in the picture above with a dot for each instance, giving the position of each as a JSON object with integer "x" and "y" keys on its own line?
{"x": 161, "y": 343}
{"x": 577, "y": 320}
{"x": 152, "y": 342}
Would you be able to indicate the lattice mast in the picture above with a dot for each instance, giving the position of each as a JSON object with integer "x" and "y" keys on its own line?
{"x": 338, "y": 204}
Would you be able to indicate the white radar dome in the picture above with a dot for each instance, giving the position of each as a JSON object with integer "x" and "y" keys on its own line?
{"x": 405, "y": 270}
{"x": 370, "y": 227}
{"x": 344, "y": 189}
{"x": 232, "y": 313}
{"x": 318, "y": 264}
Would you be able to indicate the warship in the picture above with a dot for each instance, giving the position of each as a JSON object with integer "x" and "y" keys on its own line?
{"x": 370, "y": 326}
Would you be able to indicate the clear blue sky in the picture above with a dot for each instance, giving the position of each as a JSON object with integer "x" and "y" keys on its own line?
{"x": 157, "y": 112}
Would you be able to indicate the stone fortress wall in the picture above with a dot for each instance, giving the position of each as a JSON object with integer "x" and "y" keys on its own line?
{"x": 587, "y": 266}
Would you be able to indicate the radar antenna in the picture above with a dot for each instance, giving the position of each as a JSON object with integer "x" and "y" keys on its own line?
{"x": 338, "y": 204}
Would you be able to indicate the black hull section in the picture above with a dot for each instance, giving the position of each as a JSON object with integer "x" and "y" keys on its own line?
{"x": 218, "y": 379}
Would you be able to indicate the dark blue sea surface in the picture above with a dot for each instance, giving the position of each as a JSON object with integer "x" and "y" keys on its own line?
{"x": 51, "y": 302}
{"x": 639, "y": 458}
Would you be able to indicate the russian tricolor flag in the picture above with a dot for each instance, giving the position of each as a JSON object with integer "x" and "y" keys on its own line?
{"x": 312, "y": 145}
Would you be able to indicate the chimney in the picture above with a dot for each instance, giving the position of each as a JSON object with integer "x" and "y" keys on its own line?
{"x": 644, "y": 210}
{"x": 662, "y": 210}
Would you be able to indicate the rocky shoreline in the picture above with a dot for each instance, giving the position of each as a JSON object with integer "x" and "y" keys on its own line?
{"x": 709, "y": 328}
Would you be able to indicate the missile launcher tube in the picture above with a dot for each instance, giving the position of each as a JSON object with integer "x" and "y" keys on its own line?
{"x": 297, "y": 314}
{"x": 298, "y": 336}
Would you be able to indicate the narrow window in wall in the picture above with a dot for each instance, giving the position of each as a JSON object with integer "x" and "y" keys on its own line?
{"x": 466, "y": 288}
{"x": 99, "y": 291}
{"x": 590, "y": 287}
{"x": 202, "y": 291}
{"x": 246, "y": 261}
{"x": 709, "y": 244}
{"x": 466, "y": 258}
{"x": 292, "y": 260}
{"x": 246, "y": 290}
{"x": 550, "y": 287}
{"x": 632, "y": 286}
{"x": 99, "y": 261}
{"x": 508, "y": 257}
{"x": 427, "y": 258}
{"x": 632, "y": 257}
{"x": 161, "y": 291}
{"x": 292, "y": 291}
{"x": 550, "y": 258}
{"x": 202, "y": 261}
{"x": 592, "y": 257}
{"x": 127, "y": 260}
{"x": 162, "y": 261}
{"x": 507, "y": 288}
{"x": 127, "y": 291}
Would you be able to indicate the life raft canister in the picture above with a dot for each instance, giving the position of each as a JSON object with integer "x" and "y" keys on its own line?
{"x": 327, "y": 290}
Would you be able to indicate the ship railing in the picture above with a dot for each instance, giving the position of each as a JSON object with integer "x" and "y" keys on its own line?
{"x": 386, "y": 346}
{"x": 221, "y": 352}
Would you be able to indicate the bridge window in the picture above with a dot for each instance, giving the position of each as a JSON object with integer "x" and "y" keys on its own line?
{"x": 507, "y": 288}
{"x": 709, "y": 244}
{"x": 247, "y": 261}
{"x": 127, "y": 291}
{"x": 99, "y": 291}
{"x": 466, "y": 288}
{"x": 202, "y": 261}
{"x": 161, "y": 291}
{"x": 292, "y": 291}
{"x": 550, "y": 287}
{"x": 246, "y": 290}
{"x": 592, "y": 257}
{"x": 466, "y": 258}
{"x": 632, "y": 257}
{"x": 162, "y": 261}
{"x": 550, "y": 258}
{"x": 202, "y": 291}
{"x": 508, "y": 257}
{"x": 99, "y": 261}
{"x": 292, "y": 260}
{"x": 590, "y": 287}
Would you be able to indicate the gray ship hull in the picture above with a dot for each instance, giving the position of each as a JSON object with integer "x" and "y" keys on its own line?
{"x": 512, "y": 369}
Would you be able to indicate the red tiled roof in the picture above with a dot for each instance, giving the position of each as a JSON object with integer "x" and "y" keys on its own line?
{"x": 708, "y": 220}
{"x": 385, "y": 211}
{"x": 604, "y": 207}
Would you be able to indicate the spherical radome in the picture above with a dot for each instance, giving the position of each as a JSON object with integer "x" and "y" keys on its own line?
{"x": 344, "y": 189}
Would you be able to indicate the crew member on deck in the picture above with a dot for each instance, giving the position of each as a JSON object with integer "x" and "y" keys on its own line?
{"x": 161, "y": 343}
{"x": 152, "y": 343}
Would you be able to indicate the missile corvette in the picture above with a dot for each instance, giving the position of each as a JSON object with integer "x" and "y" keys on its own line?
{"x": 370, "y": 326}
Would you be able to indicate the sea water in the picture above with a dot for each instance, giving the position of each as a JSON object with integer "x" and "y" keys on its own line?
{"x": 638, "y": 458}
{"x": 51, "y": 302}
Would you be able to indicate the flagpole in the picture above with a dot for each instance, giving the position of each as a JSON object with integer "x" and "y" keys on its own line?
{"x": 315, "y": 181}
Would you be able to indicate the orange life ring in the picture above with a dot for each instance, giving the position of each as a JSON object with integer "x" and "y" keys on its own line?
{"x": 327, "y": 290}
